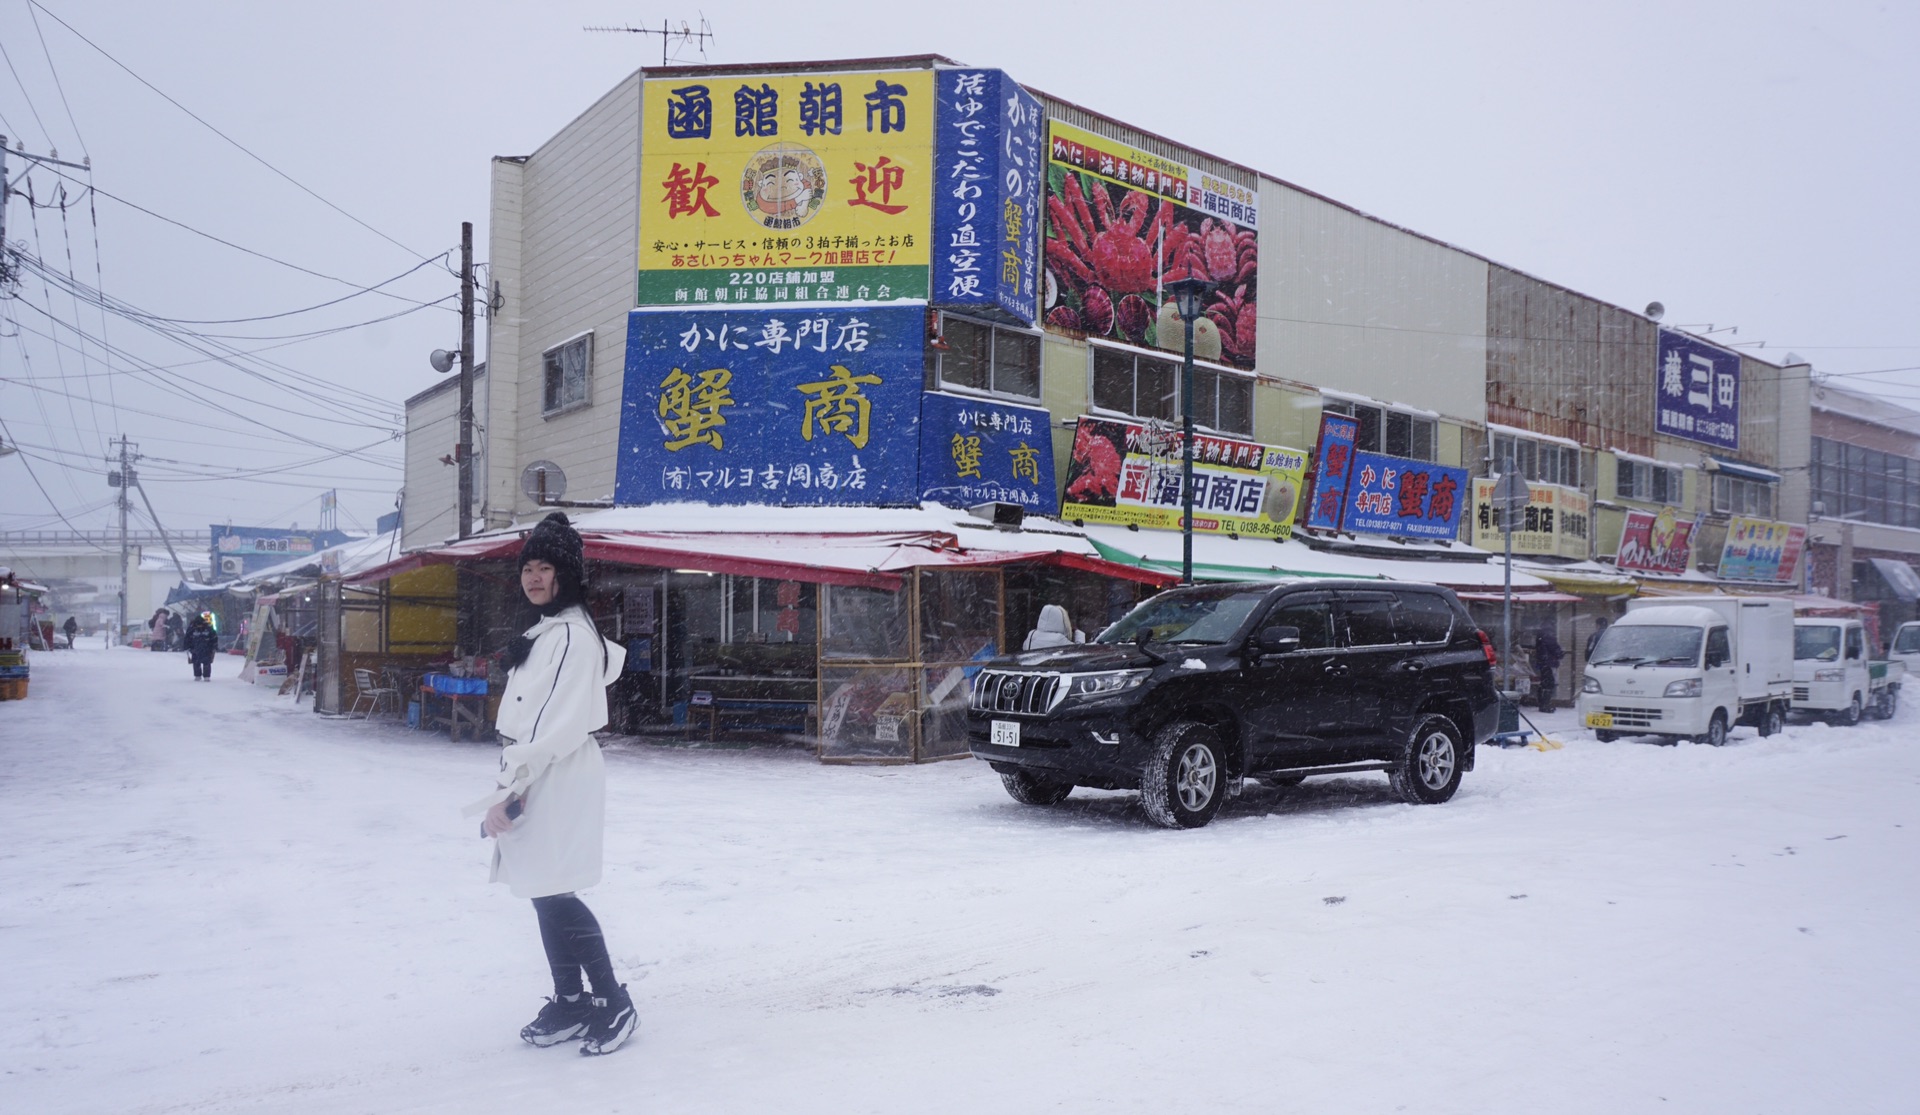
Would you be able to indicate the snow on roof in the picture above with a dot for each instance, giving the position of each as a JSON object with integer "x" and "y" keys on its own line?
{"x": 1296, "y": 558}
{"x": 1516, "y": 431}
{"x": 355, "y": 556}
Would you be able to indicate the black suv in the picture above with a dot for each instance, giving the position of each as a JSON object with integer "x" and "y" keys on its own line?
{"x": 1199, "y": 687}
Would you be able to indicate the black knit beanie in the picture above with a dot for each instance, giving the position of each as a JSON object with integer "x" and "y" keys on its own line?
{"x": 555, "y": 542}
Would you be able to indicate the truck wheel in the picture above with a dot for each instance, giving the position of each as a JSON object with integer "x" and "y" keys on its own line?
{"x": 1884, "y": 703}
{"x": 1716, "y": 733}
{"x": 1773, "y": 722}
{"x": 1851, "y": 715}
{"x": 1185, "y": 780}
{"x": 1028, "y": 788}
{"x": 1430, "y": 771}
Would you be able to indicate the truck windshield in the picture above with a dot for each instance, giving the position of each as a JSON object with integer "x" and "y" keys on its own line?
{"x": 1907, "y": 641}
{"x": 1208, "y": 615}
{"x": 1648, "y": 645}
{"x": 1820, "y": 644}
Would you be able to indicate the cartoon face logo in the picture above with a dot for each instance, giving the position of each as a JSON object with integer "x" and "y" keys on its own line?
{"x": 783, "y": 186}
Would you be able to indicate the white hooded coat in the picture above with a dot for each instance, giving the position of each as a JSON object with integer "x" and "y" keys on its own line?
{"x": 553, "y": 701}
{"x": 1052, "y": 630}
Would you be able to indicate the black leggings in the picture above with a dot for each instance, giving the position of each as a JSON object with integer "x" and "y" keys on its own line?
{"x": 573, "y": 940}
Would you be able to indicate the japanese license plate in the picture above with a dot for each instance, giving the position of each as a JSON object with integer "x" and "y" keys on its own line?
{"x": 1006, "y": 733}
{"x": 1599, "y": 720}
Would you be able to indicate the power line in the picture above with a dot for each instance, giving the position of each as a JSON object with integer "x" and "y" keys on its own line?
{"x": 216, "y": 131}
{"x": 55, "y": 71}
{"x": 24, "y": 95}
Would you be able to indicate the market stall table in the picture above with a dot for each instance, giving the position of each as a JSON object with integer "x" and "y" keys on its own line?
{"x": 466, "y": 703}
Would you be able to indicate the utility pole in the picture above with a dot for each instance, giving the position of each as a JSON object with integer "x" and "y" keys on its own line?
{"x": 465, "y": 450}
{"x": 6, "y": 269}
{"x": 120, "y": 480}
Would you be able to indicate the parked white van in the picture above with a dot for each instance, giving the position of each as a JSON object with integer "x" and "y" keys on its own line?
{"x": 1691, "y": 670}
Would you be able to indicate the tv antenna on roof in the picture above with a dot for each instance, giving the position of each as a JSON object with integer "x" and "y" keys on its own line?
{"x": 668, "y": 33}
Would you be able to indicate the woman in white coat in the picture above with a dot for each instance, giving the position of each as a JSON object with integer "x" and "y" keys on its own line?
{"x": 547, "y": 813}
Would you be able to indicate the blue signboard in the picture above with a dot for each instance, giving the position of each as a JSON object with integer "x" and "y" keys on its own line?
{"x": 805, "y": 406}
{"x": 986, "y": 215}
{"x": 1698, "y": 391}
{"x": 982, "y": 451}
{"x": 239, "y": 550}
{"x": 1402, "y": 498}
{"x": 1334, "y": 459}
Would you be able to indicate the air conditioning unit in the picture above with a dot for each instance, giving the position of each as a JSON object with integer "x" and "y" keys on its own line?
{"x": 233, "y": 566}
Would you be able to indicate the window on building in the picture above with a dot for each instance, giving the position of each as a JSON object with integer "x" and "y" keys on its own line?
{"x": 1149, "y": 387}
{"x": 1393, "y": 432}
{"x": 568, "y": 373}
{"x": 983, "y": 357}
{"x": 1546, "y": 461}
{"x": 1648, "y": 483}
{"x": 1737, "y": 495}
{"x": 1865, "y": 484}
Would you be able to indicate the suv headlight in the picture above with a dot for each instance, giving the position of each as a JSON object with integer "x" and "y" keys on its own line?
{"x": 1107, "y": 684}
{"x": 1829, "y": 675}
{"x": 1688, "y": 688}
{"x": 1589, "y": 684}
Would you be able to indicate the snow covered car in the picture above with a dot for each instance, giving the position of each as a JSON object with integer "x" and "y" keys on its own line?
{"x": 1200, "y": 687}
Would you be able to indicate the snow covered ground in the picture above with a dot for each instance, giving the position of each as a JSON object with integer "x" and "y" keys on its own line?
{"x": 213, "y": 902}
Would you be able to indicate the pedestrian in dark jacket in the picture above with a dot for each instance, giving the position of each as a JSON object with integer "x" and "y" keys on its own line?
{"x": 1545, "y": 659}
{"x": 176, "y": 632}
{"x": 72, "y": 628}
{"x": 202, "y": 641}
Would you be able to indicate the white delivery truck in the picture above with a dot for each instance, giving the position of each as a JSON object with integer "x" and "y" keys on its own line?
{"x": 1691, "y": 670}
{"x": 1833, "y": 677}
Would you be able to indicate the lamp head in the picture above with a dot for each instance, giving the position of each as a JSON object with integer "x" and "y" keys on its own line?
{"x": 1189, "y": 294}
{"x": 442, "y": 360}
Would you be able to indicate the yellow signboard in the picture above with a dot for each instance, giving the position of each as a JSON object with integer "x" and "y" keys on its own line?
{"x": 1556, "y": 521}
{"x": 794, "y": 188}
{"x": 1128, "y": 474}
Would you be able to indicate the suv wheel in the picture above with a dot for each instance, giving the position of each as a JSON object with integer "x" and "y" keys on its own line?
{"x": 1029, "y": 788}
{"x": 1185, "y": 780}
{"x": 1430, "y": 771}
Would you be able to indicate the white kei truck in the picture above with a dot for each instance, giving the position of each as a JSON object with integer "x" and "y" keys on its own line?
{"x": 1691, "y": 670}
{"x": 1834, "y": 676}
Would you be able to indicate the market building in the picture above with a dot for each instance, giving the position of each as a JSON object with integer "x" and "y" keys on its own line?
{"x": 726, "y": 299}
{"x": 1864, "y": 523}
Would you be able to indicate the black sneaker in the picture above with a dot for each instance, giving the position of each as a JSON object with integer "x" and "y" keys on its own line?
{"x": 612, "y": 1023}
{"x": 559, "y": 1021}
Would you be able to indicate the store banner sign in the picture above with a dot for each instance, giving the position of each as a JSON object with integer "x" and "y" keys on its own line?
{"x": 1403, "y": 498}
{"x": 1650, "y": 543}
{"x": 982, "y": 451}
{"x": 1698, "y": 391}
{"x": 276, "y": 543}
{"x": 986, "y": 197}
{"x": 1128, "y": 474}
{"x": 1761, "y": 550}
{"x": 1122, "y": 223}
{"x": 1555, "y": 521}
{"x": 796, "y": 407}
{"x": 1335, "y": 461}
{"x": 780, "y": 188}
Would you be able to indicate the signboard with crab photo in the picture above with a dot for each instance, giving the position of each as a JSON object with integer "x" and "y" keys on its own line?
{"x": 782, "y": 188}
{"x": 1122, "y": 223}
{"x": 1128, "y": 474}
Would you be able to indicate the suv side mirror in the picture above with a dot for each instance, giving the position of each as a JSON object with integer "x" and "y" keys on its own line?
{"x": 1279, "y": 640}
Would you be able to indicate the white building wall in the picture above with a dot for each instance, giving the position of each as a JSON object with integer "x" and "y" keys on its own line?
{"x": 565, "y": 266}
{"x": 428, "y": 512}
{"x": 1358, "y": 305}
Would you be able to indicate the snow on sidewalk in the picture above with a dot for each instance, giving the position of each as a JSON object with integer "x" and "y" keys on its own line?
{"x": 216, "y": 902}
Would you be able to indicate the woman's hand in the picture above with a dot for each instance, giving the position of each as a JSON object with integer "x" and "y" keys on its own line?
{"x": 497, "y": 820}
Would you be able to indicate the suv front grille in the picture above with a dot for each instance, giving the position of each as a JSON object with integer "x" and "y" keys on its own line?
{"x": 1625, "y": 717}
{"x": 1017, "y": 692}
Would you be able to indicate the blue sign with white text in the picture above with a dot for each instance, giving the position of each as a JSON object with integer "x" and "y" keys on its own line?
{"x": 1335, "y": 459}
{"x": 982, "y": 451}
{"x": 986, "y": 209}
{"x": 1404, "y": 499}
{"x": 1698, "y": 391}
{"x": 804, "y": 406}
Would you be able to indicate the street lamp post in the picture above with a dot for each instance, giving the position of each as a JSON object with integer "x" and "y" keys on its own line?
{"x": 1189, "y": 295}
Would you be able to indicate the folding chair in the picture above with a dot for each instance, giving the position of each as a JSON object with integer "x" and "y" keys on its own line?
{"x": 366, "y": 689}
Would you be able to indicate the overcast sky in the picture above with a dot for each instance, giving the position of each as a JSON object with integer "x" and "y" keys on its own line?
{"x": 1748, "y": 164}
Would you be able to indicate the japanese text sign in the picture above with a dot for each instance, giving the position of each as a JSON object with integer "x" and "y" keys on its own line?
{"x": 795, "y": 406}
{"x": 1402, "y": 498}
{"x": 982, "y": 451}
{"x": 780, "y": 188}
{"x": 986, "y": 197}
{"x": 1122, "y": 223}
{"x": 1760, "y": 550}
{"x": 1333, "y": 463}
{"x": 1128, "y": 474}
{"x": 1650, "y": 543}
{"x": 1555, "y": 521}
{"x": 1698, "y": 391}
